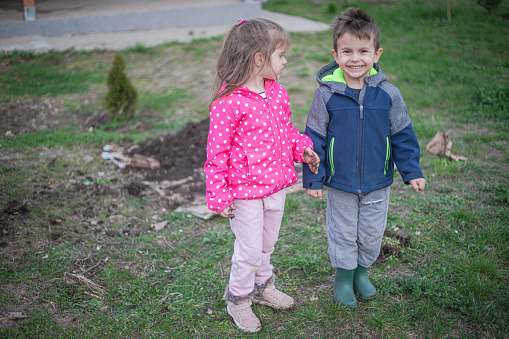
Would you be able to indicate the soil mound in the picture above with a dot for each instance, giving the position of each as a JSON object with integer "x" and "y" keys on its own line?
{"x": 181, "y": 155}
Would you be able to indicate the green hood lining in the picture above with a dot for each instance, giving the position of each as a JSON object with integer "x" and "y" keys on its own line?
{"x": 339, "y": 76}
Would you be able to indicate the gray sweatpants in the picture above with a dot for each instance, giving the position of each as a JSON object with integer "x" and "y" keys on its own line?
{"x": 355, "y": 226}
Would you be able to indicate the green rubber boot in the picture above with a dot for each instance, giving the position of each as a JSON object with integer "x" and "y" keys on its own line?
{"x": 362, "y": 286}
{"x": 343, "y": 288}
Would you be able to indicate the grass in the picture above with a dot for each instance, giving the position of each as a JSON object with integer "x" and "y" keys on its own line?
{"x": 451, "y": 281}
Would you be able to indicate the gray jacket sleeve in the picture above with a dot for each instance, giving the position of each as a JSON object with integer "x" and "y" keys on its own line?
{"x": 398, "y": 114}
{"x": 316, "y": 128}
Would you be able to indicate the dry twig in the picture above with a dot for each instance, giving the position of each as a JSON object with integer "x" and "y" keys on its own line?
{"x": 96, "y": 289}
{"x": 92, "y": 267}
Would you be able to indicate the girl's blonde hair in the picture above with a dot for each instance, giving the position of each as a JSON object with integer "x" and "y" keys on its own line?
{"x": 240, "y": 45}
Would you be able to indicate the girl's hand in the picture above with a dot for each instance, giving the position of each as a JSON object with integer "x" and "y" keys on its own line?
{"x": 228, "y": 212}
{"x": 312, "y": 159}
{"x": 314, "y": 193}
{"x": 418, "y": 184}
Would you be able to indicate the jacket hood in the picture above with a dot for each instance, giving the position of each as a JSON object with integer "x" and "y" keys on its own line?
{"x": 374, "y": 79}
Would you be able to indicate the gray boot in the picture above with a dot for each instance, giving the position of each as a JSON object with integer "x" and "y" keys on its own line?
{"x": 267, "y": 294}
{"x": 239, "y": 308}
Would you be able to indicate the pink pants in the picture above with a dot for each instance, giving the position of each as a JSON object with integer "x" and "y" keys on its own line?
{"x": 256, "y": 227}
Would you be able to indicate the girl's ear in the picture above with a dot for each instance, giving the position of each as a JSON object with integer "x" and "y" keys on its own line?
{"x": 259, "y": 59}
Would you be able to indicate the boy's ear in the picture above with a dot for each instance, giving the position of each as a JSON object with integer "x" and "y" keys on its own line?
{"x": 378, "y": 54}
{"x": 335, "y": 55}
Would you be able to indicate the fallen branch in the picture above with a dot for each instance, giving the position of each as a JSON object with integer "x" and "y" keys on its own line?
{"x": 170, "y": 294}
{"x": 159, "y": 244}
{"x": 91, "y": 268}
{"x": 167, "y": 243}
{"x": 96, "y": 289}
{"x": 141, "y": 161}
{"x": 221, "y": 270}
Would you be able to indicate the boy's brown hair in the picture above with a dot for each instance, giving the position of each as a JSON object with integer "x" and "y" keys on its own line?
{"x": 356, "y": 22}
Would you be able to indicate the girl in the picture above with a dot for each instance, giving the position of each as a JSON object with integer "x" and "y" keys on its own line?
{"x": 251, "y": 149}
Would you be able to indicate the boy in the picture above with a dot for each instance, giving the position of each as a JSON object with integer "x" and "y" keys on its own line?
{"x": 360, "y": 127}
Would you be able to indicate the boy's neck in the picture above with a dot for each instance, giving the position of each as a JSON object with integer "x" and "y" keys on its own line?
{"x": 355, "y": 83}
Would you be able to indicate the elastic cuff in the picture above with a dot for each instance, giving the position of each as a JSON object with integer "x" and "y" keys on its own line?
{"x": 230, "y": 298}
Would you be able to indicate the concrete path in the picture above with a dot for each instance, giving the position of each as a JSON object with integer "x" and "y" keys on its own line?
{"x": 197, "y": 20}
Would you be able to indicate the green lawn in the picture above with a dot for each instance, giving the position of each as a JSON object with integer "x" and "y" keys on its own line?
{"x": 449, "y": 280}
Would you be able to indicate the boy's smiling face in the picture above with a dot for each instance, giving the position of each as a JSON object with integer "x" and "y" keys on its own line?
{"x": 356, "y": 58}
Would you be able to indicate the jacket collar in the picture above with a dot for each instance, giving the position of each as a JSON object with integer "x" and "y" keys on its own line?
{"x": 332, "y": 76}
{"x": 269, "y": 86}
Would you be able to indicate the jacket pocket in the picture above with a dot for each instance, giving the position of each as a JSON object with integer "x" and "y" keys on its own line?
{"x": 331, "y": 160}
{"x": 387, "y": 156}
{"x": 371, "y": 198}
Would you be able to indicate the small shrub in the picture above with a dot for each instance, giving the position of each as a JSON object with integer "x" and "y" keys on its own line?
{"x": 332, "y": 8}
{"x": 140, "y": 48}
{"x": 122, "y": 97}
{"x": 490, "y": 5}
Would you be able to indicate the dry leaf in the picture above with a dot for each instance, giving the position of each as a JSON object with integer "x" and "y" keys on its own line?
{"x": 160, "y": 225}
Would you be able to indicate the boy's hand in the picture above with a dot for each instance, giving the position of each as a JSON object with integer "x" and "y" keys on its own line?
{"x": 314, "y": 193}
{"x": 418, "y": 184}
{"x": 228, "y": 212}
{"x": 312, "y": 159}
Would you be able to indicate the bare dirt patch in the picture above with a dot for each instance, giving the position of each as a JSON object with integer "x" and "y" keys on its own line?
{"x": 181, "y": 155}
{"x": 15, "y": 313}
{"x": 391, "y": 246}
{"x": 15, "y": 210}
{"x": 31, "y": 115}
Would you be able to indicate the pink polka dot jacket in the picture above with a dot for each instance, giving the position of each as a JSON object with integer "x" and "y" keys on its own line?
{"x": 251, "y": 146}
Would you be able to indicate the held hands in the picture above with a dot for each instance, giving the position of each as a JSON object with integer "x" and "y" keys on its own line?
{"x": 418, "y": 184}
{"x": 228, "y": 212}
{"x": 314, "y": 193}
{"x": 312, "y": 159}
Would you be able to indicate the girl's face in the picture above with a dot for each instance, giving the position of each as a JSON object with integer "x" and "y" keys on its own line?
{"x": 273, "y": 69}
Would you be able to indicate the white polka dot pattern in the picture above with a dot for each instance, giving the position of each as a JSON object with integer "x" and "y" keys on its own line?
{"x": 251, "y": 146}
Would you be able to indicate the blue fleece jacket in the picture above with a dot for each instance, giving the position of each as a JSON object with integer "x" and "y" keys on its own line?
{"x": 359, "y": 141}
